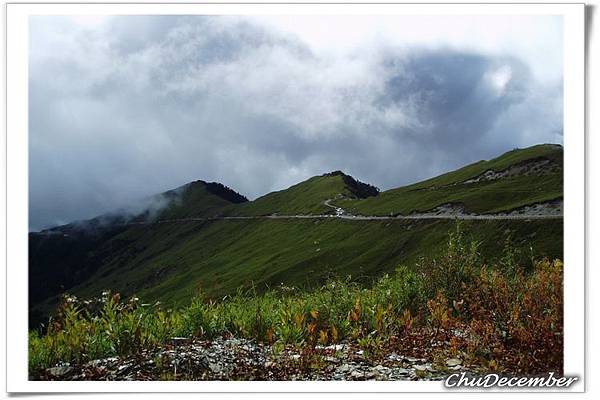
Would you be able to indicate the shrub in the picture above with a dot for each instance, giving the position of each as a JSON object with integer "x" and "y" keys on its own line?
{"x": 452, "y": 269}
{"x": 518, "y": 319}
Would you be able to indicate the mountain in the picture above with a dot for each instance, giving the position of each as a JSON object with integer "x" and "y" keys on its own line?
{"x": 208, "y": 237}
{"x": 199, "y": 199}
{"x": 515, "y": 179}
{"x": 65, "y": 256}
{"x": 308, "y": 197}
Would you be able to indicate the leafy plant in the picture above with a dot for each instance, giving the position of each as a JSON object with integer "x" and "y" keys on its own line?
{"x": 503, "y": 318}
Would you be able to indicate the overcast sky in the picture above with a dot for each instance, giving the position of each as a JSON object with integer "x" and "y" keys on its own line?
{"x": 125, "y": 107}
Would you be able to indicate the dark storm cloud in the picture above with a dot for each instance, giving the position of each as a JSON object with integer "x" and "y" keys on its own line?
{"x": 457, "y": 100}
{"x": 146, "y": 104}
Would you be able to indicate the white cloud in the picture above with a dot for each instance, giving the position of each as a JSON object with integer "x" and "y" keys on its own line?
{"x": 126, "y": 107}
{"x": 535, "y": 39}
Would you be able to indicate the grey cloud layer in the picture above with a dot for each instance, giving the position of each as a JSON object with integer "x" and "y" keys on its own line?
{"x": 149, "y": 103}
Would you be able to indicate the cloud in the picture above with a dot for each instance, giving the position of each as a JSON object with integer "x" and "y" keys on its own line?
{"x": 139, "y": 105}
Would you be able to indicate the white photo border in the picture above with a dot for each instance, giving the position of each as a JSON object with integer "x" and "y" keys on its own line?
{"x": 17, "y": 16}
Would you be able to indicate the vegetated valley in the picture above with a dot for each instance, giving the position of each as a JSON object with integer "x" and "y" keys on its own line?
{"x": 329, "y": 279}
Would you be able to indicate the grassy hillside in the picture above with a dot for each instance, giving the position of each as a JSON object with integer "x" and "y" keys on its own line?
{"x": 66, "y": 256}
{"x": 306, "y": 197}
{"x": 486, "y": 196}
{"x": 172, "y": 261}
{"x": 199, "y": 199}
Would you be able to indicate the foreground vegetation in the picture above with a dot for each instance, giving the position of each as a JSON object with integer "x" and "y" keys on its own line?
{"x": 503, "y": 317}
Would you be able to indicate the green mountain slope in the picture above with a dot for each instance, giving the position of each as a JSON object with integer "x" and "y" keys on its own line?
{"x": 307, "y": 197}
{"x": 217, "y": 257}
{"x": 199, "y": 199}
{"x": 63, "y": 257}
{"x": 170, "y": 261}
{"x": 531, "y": 175}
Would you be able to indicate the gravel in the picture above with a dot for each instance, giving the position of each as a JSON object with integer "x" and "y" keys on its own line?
{"x": 243, "y": 359}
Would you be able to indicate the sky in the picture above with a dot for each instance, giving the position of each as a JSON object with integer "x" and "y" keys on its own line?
{"x": 124, "y": 107}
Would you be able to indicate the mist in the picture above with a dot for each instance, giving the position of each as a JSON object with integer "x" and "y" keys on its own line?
{"x": 139, "y": 105}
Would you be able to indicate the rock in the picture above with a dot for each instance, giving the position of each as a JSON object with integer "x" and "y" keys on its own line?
{"x": 343, "y": 368}
{"x": 235, "y": 359}
{"x": 94, "y": 364}
{"x": 380, "y": 371}
{"x": 424, "y": 367}
{"x": 356, "y": 374}
{"x": 59, "y": 372}
{"x": 458, "y": 333}
{"x": 216, "y": 368}
{"x": 453, "y": 362}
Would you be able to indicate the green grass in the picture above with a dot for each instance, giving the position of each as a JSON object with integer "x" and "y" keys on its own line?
{"x": 481, "y": 197}
{"x": 550, "y": 151}
{"x": 171, "y": 262}
{"x": 415, "y": 297}
{"x": 194, "y": 201}
{"x": 303, "y": 198}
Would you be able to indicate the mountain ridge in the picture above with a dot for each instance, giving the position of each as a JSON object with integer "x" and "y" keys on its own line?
{"x": 169, "y": 262}
{"x": 277, "y": 202}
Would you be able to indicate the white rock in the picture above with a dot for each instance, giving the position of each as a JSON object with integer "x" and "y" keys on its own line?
{"x": 453, "y": 362}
